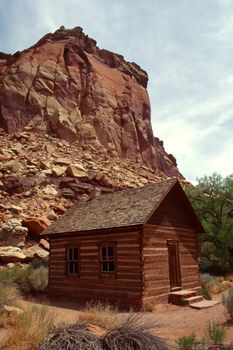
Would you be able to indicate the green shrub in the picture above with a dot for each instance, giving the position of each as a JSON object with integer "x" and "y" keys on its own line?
{"x": 7, "y": 275}
{"x": 186, "y": 342}
{"x": 32, "y": 281}
{"x": 228, "y": 347}
{"x": 28, "y": 280}
{"x": 206, "y": 294}
{"x": 215, "y": 333}
{"x": 227, "y": 301}
{"x": 210, "y": 282}
{"x": 36, "y": 263}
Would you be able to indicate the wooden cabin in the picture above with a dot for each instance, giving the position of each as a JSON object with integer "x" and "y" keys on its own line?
{"x": 131, "y": 247}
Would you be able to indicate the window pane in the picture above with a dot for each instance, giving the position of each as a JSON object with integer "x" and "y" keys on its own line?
{"x": 110, "y": 252}
{"x": 75, "y": 255}
{"x": 104, "y": 252}
{"x": 70, "y": 254}
{"x": 76, "y": 267}
{"x": 104, "y": 266}
{"x": 111, "y": 266}
{"x": 70, "y": 267}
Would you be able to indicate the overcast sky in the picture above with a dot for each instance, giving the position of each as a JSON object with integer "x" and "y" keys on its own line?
{"x": 186, "y": 46}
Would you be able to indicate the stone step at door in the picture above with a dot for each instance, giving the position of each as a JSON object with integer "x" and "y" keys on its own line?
{"x": 183, "y": 297}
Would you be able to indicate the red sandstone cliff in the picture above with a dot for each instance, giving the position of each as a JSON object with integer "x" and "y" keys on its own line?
{"x": 66, "y": 86}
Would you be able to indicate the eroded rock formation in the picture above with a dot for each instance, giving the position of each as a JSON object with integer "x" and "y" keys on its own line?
{"x": 66, "y": 86}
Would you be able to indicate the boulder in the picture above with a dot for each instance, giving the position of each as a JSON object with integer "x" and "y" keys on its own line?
{"x": 18, "y": 184}
{"x": 50, "y": 190}
{"x": 35, "y": 225}
{"x": 58, "y": 170}
{"x": 44, "y": 244}
{"x": 10, "y": 254}
{"x": 68, "y": 193}
{"x": 50, "y": 149}
{"x": 36, "y": 252}
{"x": 13, "y": 233}
{"x": 63, "y": 161}
{"x": 11, "y": 165}
{"x": 11, "y": 311}
{"x": 76, "y": 170}
{"x": 42, "y": 179}
{"x": 45, "y": 164}
{"x": 52, "y": 215}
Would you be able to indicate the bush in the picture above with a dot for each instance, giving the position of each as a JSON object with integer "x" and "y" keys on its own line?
{"x": 133, "y": 333}
{"x": 28, "y": 280}
{"x": 31, "y": 281}
{"x": 210, "y": 283}
{"x": 7, "y": 275}
{"x": 36, "y": 263}
{"x": 228, "y": 347}
{"x": 227, "y": 301}
{"x": 30, "y": 328}
{"x": 71, "y": 337}
{"x": 206, "y": 294}
{"x": 215, "y": 333}
{"x": 186, "y": 342}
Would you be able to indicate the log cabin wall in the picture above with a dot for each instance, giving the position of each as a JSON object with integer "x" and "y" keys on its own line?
{"x": 171, "y": 221}
{"x": 125, "y": 287}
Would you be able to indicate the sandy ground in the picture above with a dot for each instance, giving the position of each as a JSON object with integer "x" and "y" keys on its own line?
{"x": 171, "y": 321}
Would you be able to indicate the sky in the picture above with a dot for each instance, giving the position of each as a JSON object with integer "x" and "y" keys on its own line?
{"x": 184, "y": 45}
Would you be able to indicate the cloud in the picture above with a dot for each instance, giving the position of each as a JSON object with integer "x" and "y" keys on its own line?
{"x": 185, "y": 46}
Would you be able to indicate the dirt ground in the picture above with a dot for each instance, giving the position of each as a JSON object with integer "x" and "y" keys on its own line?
{"x": 171, "y": 321}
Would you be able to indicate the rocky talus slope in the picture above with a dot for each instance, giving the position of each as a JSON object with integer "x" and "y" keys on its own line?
{"x": 41, "y": 176}
{"x": 74, "y": 124}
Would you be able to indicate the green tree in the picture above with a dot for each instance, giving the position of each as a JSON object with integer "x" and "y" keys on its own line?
{"x": 212, "y": 199}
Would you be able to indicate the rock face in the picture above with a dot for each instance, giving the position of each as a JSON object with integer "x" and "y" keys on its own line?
{"x": 13, "y": 233}
{"x": 66, "y": 86}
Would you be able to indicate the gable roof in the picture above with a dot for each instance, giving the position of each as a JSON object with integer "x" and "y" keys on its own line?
{"x": 129, "y": 207}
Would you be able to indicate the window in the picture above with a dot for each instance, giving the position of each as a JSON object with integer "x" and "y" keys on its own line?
{"x": 107, "y": 259}
{"x": 72, "y": 261}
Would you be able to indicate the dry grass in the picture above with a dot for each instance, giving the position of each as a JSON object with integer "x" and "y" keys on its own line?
{"x": 8, "y": 294}
{"x": 104, "y": 315}
{"x": 133, "y": 333}
{"x": 71, "y": 337}
{"x": 216, "y": 285}
{"x": 29, "y": 329}
{"x": 229, "y": 278}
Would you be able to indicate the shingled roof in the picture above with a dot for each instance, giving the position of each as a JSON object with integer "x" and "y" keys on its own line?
{"x": 118, "y": 209}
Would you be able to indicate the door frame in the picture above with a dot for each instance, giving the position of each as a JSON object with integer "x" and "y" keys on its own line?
{"x": 174, "y": 270}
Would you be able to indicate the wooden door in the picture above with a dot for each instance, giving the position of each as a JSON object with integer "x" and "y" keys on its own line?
{"x": 174, "y": 264}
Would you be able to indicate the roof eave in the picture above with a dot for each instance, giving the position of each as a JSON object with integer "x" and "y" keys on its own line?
{"x": 94, "y": 231}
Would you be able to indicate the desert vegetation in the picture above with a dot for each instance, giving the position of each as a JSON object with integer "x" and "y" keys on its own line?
{"x": 214, "y": 339}
{"x": 130, "y": 333}
{"x": 28, "y": 280}
{"x": 212, "y": 199}
{"x": 26, "y": 326}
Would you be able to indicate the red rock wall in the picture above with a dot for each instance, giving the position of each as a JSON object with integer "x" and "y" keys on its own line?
{"x": 67, "y": 86}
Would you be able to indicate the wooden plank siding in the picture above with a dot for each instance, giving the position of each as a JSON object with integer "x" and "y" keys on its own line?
{"x": 172, "y": 220}
{"x": 156, "y": 281}
{"x": 124, "y": 287}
